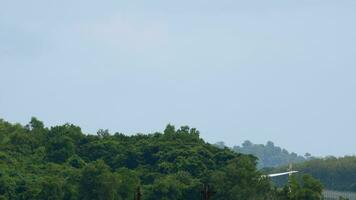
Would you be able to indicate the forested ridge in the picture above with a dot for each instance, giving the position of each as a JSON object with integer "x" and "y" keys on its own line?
{"x": 268, "y": 155}
{"x": 61, "y": 162}
{"x": 335, "y": 173}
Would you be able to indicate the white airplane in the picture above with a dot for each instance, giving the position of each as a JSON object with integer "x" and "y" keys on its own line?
{"x": 282, "y": 174}
{"x": 289, "y": 172}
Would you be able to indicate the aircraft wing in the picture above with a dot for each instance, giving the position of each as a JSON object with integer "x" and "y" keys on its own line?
{"x": 281, "y": 174}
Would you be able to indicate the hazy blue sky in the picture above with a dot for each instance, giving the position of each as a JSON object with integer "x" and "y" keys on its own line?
{"x": 280, "y": 70}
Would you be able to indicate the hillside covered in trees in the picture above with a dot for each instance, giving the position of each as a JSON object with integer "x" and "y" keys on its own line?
{"x": 334, "y": 173}
{"x": 61, "y": 162}
{"x": 268, "y": 155}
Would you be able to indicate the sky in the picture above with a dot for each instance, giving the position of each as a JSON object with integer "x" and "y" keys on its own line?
{"x": 279, "y": 70}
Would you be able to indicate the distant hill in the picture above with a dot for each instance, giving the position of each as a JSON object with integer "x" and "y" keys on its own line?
{"x": 268, "y": 155}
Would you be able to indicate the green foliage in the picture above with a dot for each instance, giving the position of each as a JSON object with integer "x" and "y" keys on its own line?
{"x": 334, "y": 173}
{"x": 299, "y": 188}
{"x": 174, "y": 186}
{"x": 128, "y": 182}
{"x": 98, "y": 182}
{"x": 59, "y": 149}
{"x": 76, "y": 161}
{"x": 62, "y": 163}
{"x": 239, "y": 180}
{"x": 308, "y": 189}
{"x": 52, "y": 189}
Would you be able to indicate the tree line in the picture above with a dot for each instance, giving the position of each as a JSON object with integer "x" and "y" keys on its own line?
{"x": 335, "y": 173}
{"x": 60, "y": 162}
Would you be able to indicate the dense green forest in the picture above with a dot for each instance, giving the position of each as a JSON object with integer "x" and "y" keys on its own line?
{"x": 334, "y": 173}
{"x": 61, "y": 162}
{"x": 268, "y": 155}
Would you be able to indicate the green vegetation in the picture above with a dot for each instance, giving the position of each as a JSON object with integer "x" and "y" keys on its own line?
{"x": 268, "y": 155}
{"x": 335, "y": 173}
{"x": 62, "y": 163}
{"x": 307, "y": 188}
